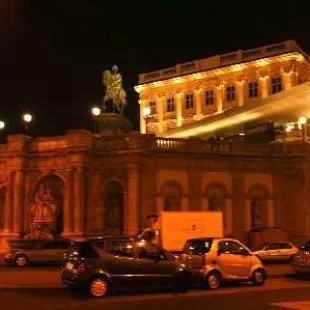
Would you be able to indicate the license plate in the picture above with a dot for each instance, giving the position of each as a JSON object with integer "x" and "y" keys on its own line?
{"x": 69, "y": 266}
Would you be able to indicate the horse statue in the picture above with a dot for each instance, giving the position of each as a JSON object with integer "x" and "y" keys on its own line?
{"x": 112, "y": 81}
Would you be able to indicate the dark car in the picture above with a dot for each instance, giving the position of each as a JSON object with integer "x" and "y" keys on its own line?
{"x": 301, "y": 260}
{"x": 24, "y": 252}
{"x": 99, "y": 265}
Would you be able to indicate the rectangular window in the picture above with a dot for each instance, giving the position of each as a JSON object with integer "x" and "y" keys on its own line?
{"x": 209, "y": 97}
{"x": 276, "y": 84}
{"x": 253, "y": 89}
{"x": 120, "y": 248}
{"x": 170, "y": 104}
{"x": 230, "y": 93}
{"x": 152, "y": 106}
{"x": 189, "y": 101}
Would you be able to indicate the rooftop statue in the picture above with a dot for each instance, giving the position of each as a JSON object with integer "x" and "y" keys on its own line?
{"x": 114, "y": 92}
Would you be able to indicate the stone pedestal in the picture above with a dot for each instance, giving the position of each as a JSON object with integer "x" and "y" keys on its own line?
{"x": 112, "y": 124}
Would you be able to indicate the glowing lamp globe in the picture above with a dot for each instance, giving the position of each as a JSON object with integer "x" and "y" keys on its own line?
{"x": 2, "y": 124}
{"x": 96, "y": 111}
{"x": 302, "y": 120}
{"x": 27, "y": 118}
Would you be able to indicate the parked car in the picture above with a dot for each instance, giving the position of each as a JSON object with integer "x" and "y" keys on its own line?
{"x": 99, "y": 265}
{"x": 24, "y": 252}
{"x": 222, "y": 259}
{"x": 301, "y": 260}
{"x": 277, "y": 251}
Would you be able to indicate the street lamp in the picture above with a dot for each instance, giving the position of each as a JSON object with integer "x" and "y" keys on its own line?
{"x": 146, "y": 113}
{"x": 2, "y": 125}
{"x": 302, "y": 121}
{"x": 95, "y": 111}
{"x": 27, "y": 119}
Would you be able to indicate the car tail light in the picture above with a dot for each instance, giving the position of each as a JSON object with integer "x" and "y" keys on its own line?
{"x": 82, "y": 267}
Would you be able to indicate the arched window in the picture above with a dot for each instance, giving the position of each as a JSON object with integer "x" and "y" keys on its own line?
{"x": 113, "y": 207}
{"x": 258, "y": 196}
{"x": 2, "y": 207}
{"x": 172, "y": 193}
{"x": 216, "y": 194}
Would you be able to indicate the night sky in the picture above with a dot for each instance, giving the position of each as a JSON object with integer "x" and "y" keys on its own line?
{"x": 52, "y": 53}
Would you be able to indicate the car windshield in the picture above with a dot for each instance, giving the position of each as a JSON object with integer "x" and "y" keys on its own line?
{"x": 198, "y": 246}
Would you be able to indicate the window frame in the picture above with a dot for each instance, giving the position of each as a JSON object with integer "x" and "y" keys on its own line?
{"x": 170, "y": 104}
{"x": 209, "y": 97}
{"x": 189, "y": 101}
{"x": 231, "y": 93}
{"x": 253, "y": 92}
{"x": 276, "y": 85}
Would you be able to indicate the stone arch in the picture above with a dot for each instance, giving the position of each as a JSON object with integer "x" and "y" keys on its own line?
{"x": 113, "y": 203}
{"x": 46, "y": 207}
{"x": 258, "y": 196}
{"x": 2, "y": 206}
{"x": 216, "y": 194}
{"x": 172, "y": 193}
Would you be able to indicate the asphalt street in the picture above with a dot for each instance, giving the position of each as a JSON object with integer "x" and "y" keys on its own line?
{"x": 40, "y": 288}
{"x": 279, "y": 293}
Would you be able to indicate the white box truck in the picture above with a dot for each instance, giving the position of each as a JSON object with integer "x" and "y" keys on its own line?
{"x": 177, "y": 227}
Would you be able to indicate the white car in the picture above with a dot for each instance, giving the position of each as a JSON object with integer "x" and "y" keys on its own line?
{"x": 277, "y": 251}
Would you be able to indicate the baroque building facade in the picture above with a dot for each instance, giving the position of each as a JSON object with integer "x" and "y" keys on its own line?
{"x": 83, "y": 184}
{"x": 207, "y": 90}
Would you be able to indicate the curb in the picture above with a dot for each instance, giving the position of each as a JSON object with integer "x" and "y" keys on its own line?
{"x": 38, "y": 286}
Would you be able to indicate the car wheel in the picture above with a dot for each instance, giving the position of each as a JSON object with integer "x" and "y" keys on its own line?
{"x": 98, "y": 287}
{"x": 213, "y": 280}
{"x": 258, "y": 277}
{"x": 21, "y": 261}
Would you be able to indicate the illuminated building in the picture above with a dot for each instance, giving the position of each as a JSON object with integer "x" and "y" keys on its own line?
{"x": 220, "y": 94}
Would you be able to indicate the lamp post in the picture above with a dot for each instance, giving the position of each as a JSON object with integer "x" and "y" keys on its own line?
{"x": 27, "y": 119}
{"x": 302, "y": 121}
{"x": 2, "y": 125}
{"x": 146, "y": 113}
{"x": 95, "y": 111}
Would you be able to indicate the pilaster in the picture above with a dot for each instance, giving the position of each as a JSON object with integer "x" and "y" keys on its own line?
{"x": 68, "y": 204}
{"x": 264, "y": 86}
{"x": 160, "y": 113}
{"x": 219, "y": 96}
{"x": 179, "y": 99}
{"x": 8, "y": 212}
{"x": 198, "y": 103}
{"x": 18, "y": 200}
{"x": 79, "y": 201}
{"x": 240, "y": 92}
{"x": 143, "y": 128}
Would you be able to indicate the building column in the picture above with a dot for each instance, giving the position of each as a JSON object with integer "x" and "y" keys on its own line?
{"x": 240, "y": 92}
{"x": 18, "y": 200}
{"x": 9, "y": 203}
{"x": 79, "y": 201}
{"x": 184, "y": 203}
{"x": 198, "y": 103}
{"x": 160, "y": 113}
{"x": 179, "y": 100}
{"x": 228, "y": 217}
{"x": 131, "y": 214}
{"x": 287, "y": 79}
{"x": 264, "y": 86}
{"x": 143, "y": 128}
{"x": 68, "y": 204}
{"x": 219, "y": 98}
{"x": 248, "y": 216}
{"x": 270, "y": 210}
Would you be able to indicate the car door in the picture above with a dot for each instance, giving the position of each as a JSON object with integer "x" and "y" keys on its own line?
{"x": 121, "y": 263}
{"x": 233, "y": 259}
{"x": 285, "y": 251}
{"x": 157, "y": 267}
